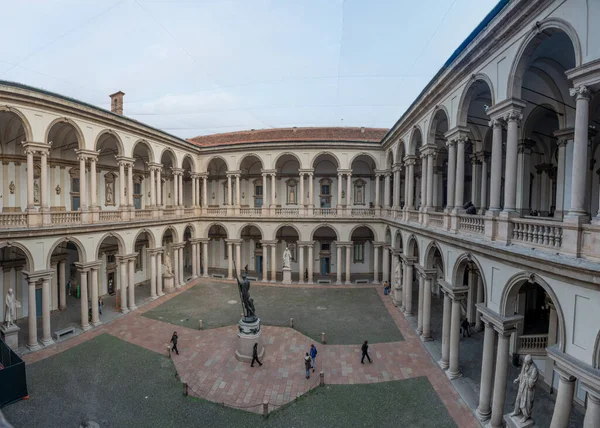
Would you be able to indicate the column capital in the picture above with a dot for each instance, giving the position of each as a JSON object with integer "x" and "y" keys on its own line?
{"x": 564, "y": 373}
{"x": 428, "y": 150}
{"x": 125, "y": 161}
{"x": 122, "y": 258}
{"x": 268, "y": 242}
{"x": 496, "y": 123}
{"x": 581, "y": 92}
{"x": 504, "y": 325}
{"x": 204, "y": 240}
{"x": 410, "y": 160}
{"x": 306, "y": 170}
{"x": 455, "y": 293}
{"x": 457, "y": 134}
{"x": 35, "y": 147}
{"x": 409, "y": 260}
{"x": 233, "y": 173}
{"x": 564, "y": 136}
{"x": 344, "y": 171}
{"x": 177, "y": 171}
{"x": 504, "y": 108}
{"x": 203, "y": 175}
{"x": 234, "y": 241}
{"x": 397, "y": 167}
{"x": 155, "y": 166}
{"x": 378, "y": 244}
{"x": 33, "y": 277}
{"x": 343, "y": 243}
{"x": 305, "y": 243}
{"x": 154, "y": 251}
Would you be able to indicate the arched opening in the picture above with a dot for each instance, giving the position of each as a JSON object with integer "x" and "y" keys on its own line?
{"x": 439, "y": 127}
{"x": 65, "y": 142}
{"x": 217, "y": 183}
{"x": 253, "y": 254}
{"x": 109, "y": 279}
{"x": 363, "y": 182}
{"x": 173, "y": 266}
{"x": 13, "y": 165}
{"x": 251, "y": 182}
{"x": 325, "y": 167}
{"x": 594, "y": 174}
{"x": 287, "y": 236}
{"x": 188, "y": 189}
{"x": 411, "y": 285}
{"x": 143, "y": 245}
{"x": 413, "y": 166}
{"x": 325, "y": 238}
{"x": 110, "y": 176}
{"x": 169, "y": 189}
{"x": 142, "y": 155}
{"x": 289, "y": 186}
{"x": 361, "y": 258}
{"x": 218, "y": 258}
{"x": 400, "y": 155}
{"x": 15, "y": 262}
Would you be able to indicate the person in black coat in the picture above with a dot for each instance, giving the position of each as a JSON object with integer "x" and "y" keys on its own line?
{"x": 466, "y": 328}
{"x": 365, "y": 352}
{"x": 174, "y": 339}
{"x": 255, "y": 355}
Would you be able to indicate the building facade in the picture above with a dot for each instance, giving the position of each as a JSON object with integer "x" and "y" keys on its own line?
{"x": 484, "y": 197}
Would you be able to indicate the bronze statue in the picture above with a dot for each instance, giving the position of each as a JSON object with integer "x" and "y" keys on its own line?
{"x": 247, "y": 302}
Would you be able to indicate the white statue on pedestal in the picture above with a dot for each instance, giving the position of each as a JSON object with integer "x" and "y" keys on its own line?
{"x": 286, "y": 258}
{"x": 10, "y": 308}
{"x": 168, "y": 267}
{"x": 526, "y": 380}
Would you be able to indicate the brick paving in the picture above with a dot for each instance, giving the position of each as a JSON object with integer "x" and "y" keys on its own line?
{"x": 207, "y": 364}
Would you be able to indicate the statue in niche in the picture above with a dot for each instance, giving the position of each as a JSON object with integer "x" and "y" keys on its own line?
{"x": 287, "y": 255}
{"x": 168, "y": 267}
{"x": 36, "y": 192}
{"x": 108, "y": 194}
{"x": 292, "y": 195}
{"x": 12, "y": 187}
{"x": 10, "y": 308}
{"x": 397, "y": 280}
{"x": 58, "y": 189}
{"x": 526, "y": 380}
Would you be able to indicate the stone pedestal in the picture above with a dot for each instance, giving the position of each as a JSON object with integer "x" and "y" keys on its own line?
{"x": 168, "y": 283}
{"x": 10, "y": 335}
{"x": 287, "y": 276}
{"x": 249, "y": 333}
{"x": 515, "y": 422}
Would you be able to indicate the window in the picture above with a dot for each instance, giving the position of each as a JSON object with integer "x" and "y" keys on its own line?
{"x": 258, "y": 194}
{"x": 359, "y": 252}
{"x": 292, "y": 192}
{"x": 137, "y": 192}
{"x": 325, "y": 196}
{"x": 359, "y": 192}
{"x": 325, "y": 247}
{"x": 75, "y": 190}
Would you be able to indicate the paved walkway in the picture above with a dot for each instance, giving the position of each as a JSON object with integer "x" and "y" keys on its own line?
{"x": 211, "y": 371}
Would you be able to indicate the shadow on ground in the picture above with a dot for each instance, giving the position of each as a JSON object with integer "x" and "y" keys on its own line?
{"x": 117, "y": 384}
{"x": 348, "y": 316}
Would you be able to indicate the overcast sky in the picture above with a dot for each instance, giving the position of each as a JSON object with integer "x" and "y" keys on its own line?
{"x": 208, "y": 66}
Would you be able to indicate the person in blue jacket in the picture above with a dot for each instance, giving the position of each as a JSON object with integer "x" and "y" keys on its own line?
{"x": 313, "y": 356}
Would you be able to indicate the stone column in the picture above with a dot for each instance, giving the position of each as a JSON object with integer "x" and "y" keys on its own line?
{"x": 348, "y": 188}
{"x": 180, "y": 189}
{"x": 411, "y": 184}
{"x": 229, "y": 260}
{"x": 592, "y": 412}
{"x": 459, "y": 193}
{"x": 62, "y": 285}
{"x": 205, "y": 191}
{"x": 338, "y": 262}
{"x": 479, "y": 299}
{"x": 454, "y": 369}
{"x": 487, "y": 373}
{"x": 194, "y": 193}
{"x": 430, "y": 156}
{"x": 175, "y": 261}
{"x": 94, "y": 298}
{"x": 475, "y": 181}
{"x": 122, "y": 201}
{"x": 44, "y": 181}
{"x": 46, "y": 335}
{"x": 396, "y": 190}
{"x": 153, "y": 275}
{"x": 420, "y": 303}
{"x": 499, "y": 394}
{"x": 446, "y": 320}
{"x": 152, "y": 188}
{"x": 386, "y": 264}
{"x": 30, "y": 181}
{"x": 376, "y": 263}
{"x": 451, "y": 145}
{"x": 265, "y": 270}
{"x": 560, "y": 177}
{"x": 311, "y": 190}
{"x": 180, "y": 265}
{"x": 131, "y": 282}
{"x": 130, "y": 183}
{"x": 273, "y": 190}
{"x": 340, "y": 185}
{"x": 496, "y": 171}
{"x": 265, "y": 194}
{"x": 301, "y": 198}
{"x": 348, "y": 263}
{"x": 93, "y": 185}
{"x": 159, "y": 199}
{"x": 426, "y": 335}
{"x": 423, "y": 199}
{"x": 194, "y": 260}
{"x": 564, "y": 399}
{"x": 387, "y": 189}
{"x": 300, "y": 264}
{"x": 580, "y": 151}
{"x": 273, "y": 262}
{"x": 408, "y": 286}
{"x": 32, "y": 343}
{"x": 510, "y": 172}
{"x": 123, "y": 285}
{"x": 484, "y": 185}
{"x": 377, "y": 199}
{"x": 82, "y": 185}
{"x": 310, "y": 262}
{"x": 205, "y": 258}
{"x": 83, "y": 297}
{"x": 238, "y": 258}
{"x": 237, "y": 191}
{"x": 158, "y": 274}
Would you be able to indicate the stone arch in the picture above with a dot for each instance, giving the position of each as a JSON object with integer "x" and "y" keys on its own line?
{"x": 412, "y": 246}
{"x": 596, "y": 354}
{"x": 172, "y": 154}
{"x": 192, "y": 227}
{"x": 250, "y": 224}
{"x": 80, "y": 249}
{"x": 217, "y": 223}
{"x": 364, "y": 154}
{"x": 400, "y": 151}
{"x": 293, "y": 227}
{"x": 251, "y": 154}
{"x": 280, "y": 155}
{"x": 398, "y": 239}
{"x": 213, "y": 157}
{"x": 368, "y": 226}
{"x": 416, "y": 138}
{"x": 191, "y": 161}
{"x": 21, "y": 115}
{"x": 80, "y": 138}
{"x": 334, "y": 156}
{"x": 324, "y": 225}
{"x": 174, "y": 233}
{"x": 466, "y": 96}
{"x": 458, "y": 271}
{"x": 433, "y": 122}
{"x": 389, "y": 158}
{"x": 28, "y": 256}
{"x": 119, "y": 238}
{"x": 148, "y": 148}
{"x": 430, "y": 254}
{"x": 120, "y": 146}
{"x": 148, "y": 232}
{"x": 529, "y": 45}
{"x": 387, "y": 236}
{"x": 512, "y": 287}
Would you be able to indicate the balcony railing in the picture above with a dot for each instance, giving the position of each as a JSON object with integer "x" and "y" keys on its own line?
{"x": 362, "y": 212}
{"x": 436, "y": 219}
{"x": 532, "y": 344}
{"x": 545, "y": 233}
{"x": 216, "y": 211}
{"x": 143, "y": 214}
{"x": 287, "y": 212}
{"x": 65, "y": 217}
{"x": 469, "y": 223}
{"x": 413, "y": 215}
{"x": 110, "y": 216}
{"x": 325, "y": 212}
{"x": 251, "y": 212}
{"x": 13, "y": 219}
{"x": 169, "y": 212}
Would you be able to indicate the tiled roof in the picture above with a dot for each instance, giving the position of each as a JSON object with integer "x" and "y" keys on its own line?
{"x": 291, "y": 134}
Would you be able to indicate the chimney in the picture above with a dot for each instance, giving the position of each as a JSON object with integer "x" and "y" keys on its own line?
{"x": 116, "y": 102}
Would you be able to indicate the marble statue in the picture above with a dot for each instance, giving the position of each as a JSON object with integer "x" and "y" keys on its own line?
{"x": 286, "y": 258}
{"x": 526, "y": 380}
{"x": 109, "y": 193}
{"x": 397, "y": 277}
{"x": 167, "y": 263}
{"x": 10, "y": 308}
{"x": 36, "y": 192}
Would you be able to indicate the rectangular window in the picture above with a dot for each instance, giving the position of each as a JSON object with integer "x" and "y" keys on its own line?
{"x": 325, "y": 247}
{"x": 75, "y": 188}
{"x": 258, "y": 196}
{"x": 137, "y": 188}
{"x": 325, "y": 189}
{"x": 359, "y": 252}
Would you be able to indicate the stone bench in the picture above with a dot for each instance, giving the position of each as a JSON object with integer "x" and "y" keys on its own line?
{"x": 252, "y": 278}
{"x": 218, "y": 275}
{"x": 324, "y": 281}
{"x": 361, "y": 281}
{"x": 67, "y": 330}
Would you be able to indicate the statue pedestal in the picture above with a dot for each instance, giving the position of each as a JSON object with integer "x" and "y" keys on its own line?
{"x": 249, "y": 333}
{"x": 168, "y": 283}
{"x": 10, "y": 335}
{"x": 515, "y": 422}
{"x": 287, "y": 276}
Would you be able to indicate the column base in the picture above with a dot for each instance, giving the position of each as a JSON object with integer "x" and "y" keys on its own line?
{"x": 419, "y": 330}
{"x": 47, "y": 342}
{"x": 132, "y": 308}
{"x": 375, "y": 282}
{"x": 443, "y": 364}
{"x": 154, "y": 297}
{"x": 160, "y": 294}
{"x": 348, "y": 282}
{"x": 96, "y": 323}
{"x": 34, "y": 346}
{"x": 453, "y": 375}
{"x": 408, "y": 313}
{"x": 426, "y": 339}
{"x": 124, "y": 311}
{"x": 483, "y": 416}
{"x": 86, "y": 327}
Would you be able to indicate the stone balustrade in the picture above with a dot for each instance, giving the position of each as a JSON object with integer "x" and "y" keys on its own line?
{"x": 68, "y": 217}
{"x": 109, "y": 216}
{"x": 13, "y": 220}
{"x": 287, "y": 212}
{"x": 546, "y": 233}
{"x": 250, "y": 212}
{"x": 143, "y": 214}
{"x": 436, "y": 219}
{"x": 473, "y": 224}
{"x": 362, "y": 212}
{"x": 534, "y": 344}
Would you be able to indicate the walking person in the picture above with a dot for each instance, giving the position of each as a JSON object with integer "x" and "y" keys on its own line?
{"x": 255, "y": 355}
{"x": 365, "y": 352}
{"x": 100, "y": 304}
{"x": 313, "y": 356}
{"x": 307, "y": 365}
{"x": 174, "y": 339}
{"x": 465, "y": 328}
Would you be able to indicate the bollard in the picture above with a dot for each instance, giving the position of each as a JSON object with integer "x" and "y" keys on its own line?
{"x": 323, "y": 338}
{"x": 169, "y": 351}
{"x": 292, "y": 322}
{"x": 265, "y": 408}
{"x": 322, "y": 379}
{"x": 200, "y": 325}
{"x": 185, "y": 388}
